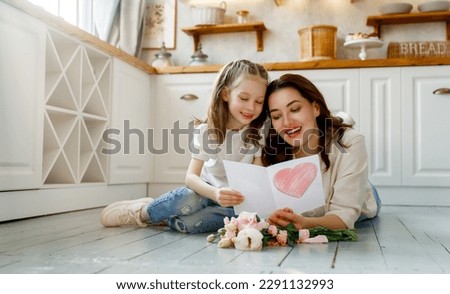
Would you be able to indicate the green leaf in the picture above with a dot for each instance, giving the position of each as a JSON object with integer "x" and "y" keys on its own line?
{"x": 334, "y": 235}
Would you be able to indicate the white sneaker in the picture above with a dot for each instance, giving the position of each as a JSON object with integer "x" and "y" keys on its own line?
{"x": 126, "y": 212}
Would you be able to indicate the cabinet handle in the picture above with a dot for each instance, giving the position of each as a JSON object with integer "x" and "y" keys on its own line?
{"x": 189, "y": 97}
{"x": 441, "y": 91}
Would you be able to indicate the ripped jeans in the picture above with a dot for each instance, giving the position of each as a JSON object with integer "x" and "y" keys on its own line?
{"x": 188, "y": 212}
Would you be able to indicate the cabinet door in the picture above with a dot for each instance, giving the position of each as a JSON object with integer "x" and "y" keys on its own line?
{"x": 426, "y": 132}
{"x": 339, "y": 87}
{"x": 179, "y": 98}
{"x": 380, "y": 122}
{"x": 22, "y": 65}
{"x": 129, "y": 159}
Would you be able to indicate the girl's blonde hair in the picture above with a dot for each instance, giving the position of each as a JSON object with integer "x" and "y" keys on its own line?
{"x": 227, "y": 79}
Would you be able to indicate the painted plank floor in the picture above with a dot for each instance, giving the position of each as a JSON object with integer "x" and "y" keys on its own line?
{"x": 403, "y": 239}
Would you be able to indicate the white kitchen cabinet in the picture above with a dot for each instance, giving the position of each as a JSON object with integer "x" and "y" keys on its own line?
{"x": 55, "y": 103}
{"x": 340, "y": 88}
{"x": 179, "y": 98}
{"x": 380, "y": 123}
{"x": 406, "y": 125}
{"x": 22, "y": 59}
{"x": 127, "y": 138}
{"x": 406, "y": 129}
{"x": 77, "y": 97}
{"x": 426, "y": 126}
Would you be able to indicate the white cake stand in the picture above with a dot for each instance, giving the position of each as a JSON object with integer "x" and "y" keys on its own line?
{"x": 364, "y": 44}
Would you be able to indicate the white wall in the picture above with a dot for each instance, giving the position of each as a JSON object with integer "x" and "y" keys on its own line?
{"x": 281, "y": 40}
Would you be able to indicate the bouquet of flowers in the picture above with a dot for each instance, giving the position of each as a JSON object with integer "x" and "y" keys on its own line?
{"x": 249, "y": 232}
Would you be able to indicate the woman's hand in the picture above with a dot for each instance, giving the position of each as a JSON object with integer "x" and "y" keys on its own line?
{"x": 228, "y": 197}
{"x": 285, "y": 216}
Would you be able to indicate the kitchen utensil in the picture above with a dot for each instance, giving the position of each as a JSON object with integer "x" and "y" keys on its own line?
{"x": 163, "y": 58}
{"x": 199, "y": 58}
{"x": 396, "y": 7}
{"x": 434, "y": 6}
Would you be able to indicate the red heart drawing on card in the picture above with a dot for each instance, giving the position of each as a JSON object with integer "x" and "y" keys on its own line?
{"x": 295, "y": 181}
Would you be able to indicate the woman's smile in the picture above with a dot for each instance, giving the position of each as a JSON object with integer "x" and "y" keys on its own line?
{"x": 293, "y": 132}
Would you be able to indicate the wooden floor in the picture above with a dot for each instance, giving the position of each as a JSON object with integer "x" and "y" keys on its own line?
{"x": 401, "y": 240}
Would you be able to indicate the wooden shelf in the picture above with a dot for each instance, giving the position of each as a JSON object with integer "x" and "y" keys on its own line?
{"x": 197, "y": 31}
{"x": 405, "y": 18}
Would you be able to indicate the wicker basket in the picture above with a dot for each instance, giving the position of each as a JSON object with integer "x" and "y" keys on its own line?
{"x": 317, "y": 42}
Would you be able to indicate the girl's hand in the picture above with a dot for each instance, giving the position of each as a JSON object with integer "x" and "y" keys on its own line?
{"x": 285, "y": 216}
{"x": 228, "y": 197}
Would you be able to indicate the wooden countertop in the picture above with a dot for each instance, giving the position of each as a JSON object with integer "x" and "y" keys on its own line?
{"x": 319, "y": 64}
{"x": 81, "y": 35}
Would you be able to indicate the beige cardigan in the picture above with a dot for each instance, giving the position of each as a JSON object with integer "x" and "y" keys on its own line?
{"x": 345, "y": 183}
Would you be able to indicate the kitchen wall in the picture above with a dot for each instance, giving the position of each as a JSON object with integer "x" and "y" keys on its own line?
{"x": 281, "y": 40}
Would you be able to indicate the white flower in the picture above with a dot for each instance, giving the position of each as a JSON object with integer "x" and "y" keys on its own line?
{"x": 248, "y": 239}
{"x": 225, "y": 243}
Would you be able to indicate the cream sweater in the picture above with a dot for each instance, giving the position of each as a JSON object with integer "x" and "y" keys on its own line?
{"x": 345, "y": 183}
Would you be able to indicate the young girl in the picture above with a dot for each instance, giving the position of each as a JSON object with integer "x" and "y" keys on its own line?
{"x": 231, "y": 132}
{"x": 302, "y": 125}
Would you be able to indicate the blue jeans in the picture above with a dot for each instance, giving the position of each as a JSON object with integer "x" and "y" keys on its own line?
{"x": 377, "y": 200}
{"x": 188, "y": 212}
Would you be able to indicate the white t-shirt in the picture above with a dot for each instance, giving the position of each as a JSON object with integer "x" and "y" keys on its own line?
{"x": 233, "y": 148}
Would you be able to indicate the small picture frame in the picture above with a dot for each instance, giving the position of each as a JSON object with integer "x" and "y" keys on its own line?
{"x": 160, "y": 24}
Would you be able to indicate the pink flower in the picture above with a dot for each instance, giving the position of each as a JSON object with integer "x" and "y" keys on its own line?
{"x": 230, "y": 234}
{"x": 231, "y": 227}
{"x": 303, "y": 234}
{"x": 319, "y": 239}
{"x": 247, "y": 220}
{"x": 282, "y": 237}
{"x": 262, "y": 225}
{"x": 272, "y": 230}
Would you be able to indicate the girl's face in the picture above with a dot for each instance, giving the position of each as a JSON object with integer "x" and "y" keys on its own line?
{"x": 245, "y": 101}
{"x": 294, "y": 118}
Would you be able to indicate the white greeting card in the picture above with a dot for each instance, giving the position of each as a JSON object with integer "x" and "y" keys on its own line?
{"x": 296, "y": 184}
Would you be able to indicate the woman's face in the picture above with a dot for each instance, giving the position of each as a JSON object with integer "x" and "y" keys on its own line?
{"x": 294, "y": 118}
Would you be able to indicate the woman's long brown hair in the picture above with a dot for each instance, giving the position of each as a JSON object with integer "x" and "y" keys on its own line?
{"x": 331, "y": 128}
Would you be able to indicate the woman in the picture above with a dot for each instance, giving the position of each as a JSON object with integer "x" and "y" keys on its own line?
{"x": 302, "y": 125}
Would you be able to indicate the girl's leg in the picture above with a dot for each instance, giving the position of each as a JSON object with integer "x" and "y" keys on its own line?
{"x": 179, "y": 202}
{"x": 208, "y": 219}
{"x": 377, "y": 200}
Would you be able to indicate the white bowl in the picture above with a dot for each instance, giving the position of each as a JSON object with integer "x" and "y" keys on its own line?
{"x": 397, "y": 7}
{"x": 434, "y": 6}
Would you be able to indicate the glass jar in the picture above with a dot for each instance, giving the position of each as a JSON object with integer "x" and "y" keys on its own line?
{"x": 163, "y": 58}
{"x": 242, "y": 16}
{"x": 199, "y": 58}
